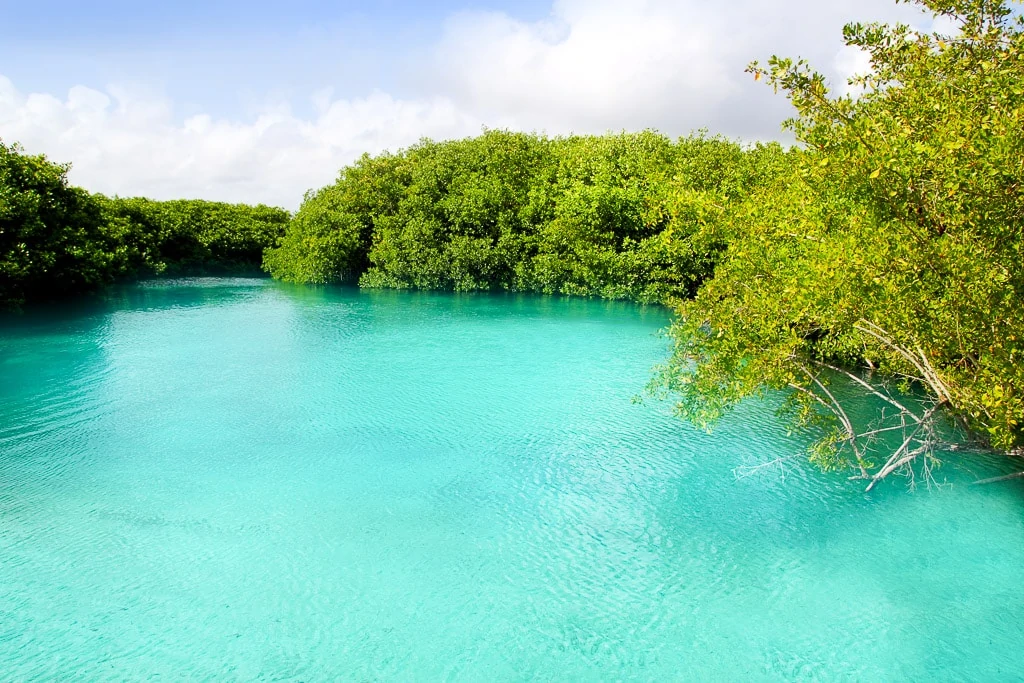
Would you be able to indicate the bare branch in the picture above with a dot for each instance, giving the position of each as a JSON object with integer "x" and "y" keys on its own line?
{"x": 875, "y": 432}
{"x": 873, "y": 390}
{"x": 993, "y": 480}
{"x": 837, "y": 409}
{"x": 895, "y": 461}
{"x": 745, "y": 471}
{"x": 919, "y": 361}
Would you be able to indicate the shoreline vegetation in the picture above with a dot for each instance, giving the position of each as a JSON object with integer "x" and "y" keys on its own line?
{"x": 882, "y": 253}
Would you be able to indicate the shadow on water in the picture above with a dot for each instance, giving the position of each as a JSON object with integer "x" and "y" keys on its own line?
{"x": 475, "y": 304}
{"x": 142, "y": 295}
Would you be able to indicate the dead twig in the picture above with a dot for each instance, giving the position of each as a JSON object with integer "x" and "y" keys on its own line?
{"x": 1006, "y": 477}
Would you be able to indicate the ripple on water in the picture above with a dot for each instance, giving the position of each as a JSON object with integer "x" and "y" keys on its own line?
{"x": 235, "y": 479}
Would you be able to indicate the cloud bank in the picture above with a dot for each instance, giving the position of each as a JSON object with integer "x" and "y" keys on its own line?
{"x": 124, "y": 144}
{"x": 590, "y": 66}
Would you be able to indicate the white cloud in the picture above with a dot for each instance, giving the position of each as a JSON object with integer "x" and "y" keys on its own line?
{"x": 591, "y": 66}
{"x": 849, "y": 62}
{"x": 677, "y": 65}
{"x": 124, "y": 143}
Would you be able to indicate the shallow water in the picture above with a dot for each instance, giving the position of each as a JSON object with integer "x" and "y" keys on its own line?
{"x": 238, "y": 479}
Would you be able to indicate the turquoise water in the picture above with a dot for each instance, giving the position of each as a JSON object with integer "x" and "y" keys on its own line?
{"x": 242, "y": 480}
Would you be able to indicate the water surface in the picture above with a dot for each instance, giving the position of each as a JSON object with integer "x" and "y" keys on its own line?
{"x": 238, "y": 479}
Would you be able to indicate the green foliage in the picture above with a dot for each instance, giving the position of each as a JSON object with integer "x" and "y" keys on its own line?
{"x": 328, "y": 240}
{"x": 57, "y": 240}
{"x": 466, "y": 216}
{"x": 603, "y": 216}
{"x": 192, "y": 236}
{"x": 896, "y": 243}
{"x": 52, "y": 236}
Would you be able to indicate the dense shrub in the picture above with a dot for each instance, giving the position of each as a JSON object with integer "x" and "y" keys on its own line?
{"x": 594, "y": 216}
{"x": 53, "y": 237}
{"x": 896, "y": 244}
{"x": 192, "y": 236}
{"x": 57, "y": 240}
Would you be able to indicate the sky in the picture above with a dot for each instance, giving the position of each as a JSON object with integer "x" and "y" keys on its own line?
{"x": 260, "y": 101}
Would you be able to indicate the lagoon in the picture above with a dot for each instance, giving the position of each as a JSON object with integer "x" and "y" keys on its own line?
{"x": 238, "y": 479}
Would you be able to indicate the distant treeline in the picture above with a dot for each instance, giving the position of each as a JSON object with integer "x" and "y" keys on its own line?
{"x": 57, "y": 240}
{"x": 615, "y": 216}
{"x": 889, "y": 242}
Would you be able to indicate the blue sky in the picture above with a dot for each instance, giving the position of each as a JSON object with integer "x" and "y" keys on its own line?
{"x": 220, "y": 56}
{"x": 261, "y": 101}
